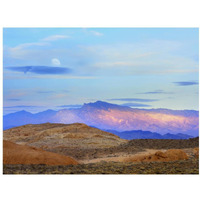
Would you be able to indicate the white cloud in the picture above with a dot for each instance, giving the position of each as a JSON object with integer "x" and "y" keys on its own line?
{"x": 96, "y": 33}
{"x": 48, "y": 39}
{"x": 26, "y": 45}
{"x": 55, "y": 37}
{"x": 21, "y": 47}
{"x": 16, "y": 93}
{"x": 89, "y": 32}
{"x": 59, "y": 96}
{"x": 151, "y": 57}
{"x": 55, "y": 61}
{"x": 21, "y": 50}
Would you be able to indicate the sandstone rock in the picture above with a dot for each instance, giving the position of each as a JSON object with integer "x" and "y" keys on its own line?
{"x": 176, "y": 154}
{"x": 160, "y": 154}
{"x": 169, "y": 155}
{"x": 21, "y": 154}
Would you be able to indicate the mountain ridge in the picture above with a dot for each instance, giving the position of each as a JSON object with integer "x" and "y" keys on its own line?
{"x": 139, "y": 134}
{"x": 104, "y": 115}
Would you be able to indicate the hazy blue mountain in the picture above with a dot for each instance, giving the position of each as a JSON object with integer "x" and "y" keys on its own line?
{"x": 139, "y": 134}
{"x": 108, "y": 116}
{"x": 17, "y": 119}
{"x": 24, "y": 117}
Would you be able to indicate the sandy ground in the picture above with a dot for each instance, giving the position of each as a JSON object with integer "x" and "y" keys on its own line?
{"x": 121, "y": 157}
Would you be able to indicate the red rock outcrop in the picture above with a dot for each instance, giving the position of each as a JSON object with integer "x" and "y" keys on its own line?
{"x": 22, "y": 154}
{"x": 169, "y": 155}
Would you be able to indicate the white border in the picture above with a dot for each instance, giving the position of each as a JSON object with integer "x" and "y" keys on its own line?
{"x": 91, "y": 13}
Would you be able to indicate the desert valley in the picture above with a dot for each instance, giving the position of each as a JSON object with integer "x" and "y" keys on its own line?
{"x": 100, "y": 101}
{"x": 76, "y": 148}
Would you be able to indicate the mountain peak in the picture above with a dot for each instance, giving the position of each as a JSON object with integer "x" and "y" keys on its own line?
{"x": 47, "y": 111}
{"x": 22, "y": 112}
{"x": 102, "y": 105}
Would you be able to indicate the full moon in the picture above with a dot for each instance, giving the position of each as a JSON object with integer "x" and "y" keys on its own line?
{"x": 55, "y": 61}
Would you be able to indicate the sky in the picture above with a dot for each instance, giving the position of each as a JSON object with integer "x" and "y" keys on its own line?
{"x": 56, "y": 68}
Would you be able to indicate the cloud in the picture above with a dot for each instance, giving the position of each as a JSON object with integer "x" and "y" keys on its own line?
{"x": 149, "y": 57}
{"x": 45, "y": 92}
{"x": 55, "y": 61}
{"x": 186, "y": 83}
{"x": 156, "y": 92}
{"x": 117, "y": 64}
{"x": 55, "y": 37}
{"x": 111, "y": 60}
{"x": 59, "y": 96}
{"x": 89, "y": 32}
{"x": 134, "y": 99}
{"x": 135, "y": 105}
{"x": 66, "y": 91}
{"x": 20, "y": 106}
{"x": 13, "y": 99}
{"x": 41, "y": 70}
{"x": 96, "y": 33}
{"x": 42, "y": 42}
{"x": 22, "y": 50}
{"x": 26, "y": 45}
{"x": 71, "y": 106}
{"x": 15, "y": 94}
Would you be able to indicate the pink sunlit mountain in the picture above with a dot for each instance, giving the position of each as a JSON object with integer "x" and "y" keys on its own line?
{"x": 104, "y": 115}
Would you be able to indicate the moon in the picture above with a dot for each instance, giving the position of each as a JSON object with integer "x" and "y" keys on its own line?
{"x": 55, "y": 61}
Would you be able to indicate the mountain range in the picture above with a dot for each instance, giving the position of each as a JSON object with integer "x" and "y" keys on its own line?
{"x": 108, "y": 116}
{"x": 139, "y": 134}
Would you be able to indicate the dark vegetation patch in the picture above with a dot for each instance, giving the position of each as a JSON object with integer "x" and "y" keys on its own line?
{"x": 163, "y": 143}
{"x": 81, "y": 154}
{"x": 132, "y": 146}
{"x": 190, "y": 166}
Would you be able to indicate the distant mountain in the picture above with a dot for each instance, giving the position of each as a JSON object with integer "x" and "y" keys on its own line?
{"x": 101, "y": 105}
{"x": 139, "y": 134}
{"x": 185, "y": 113}
{"x": 17, "y": 119}
{"x": 23, "y": 117}
{"x": 106, "y": 116}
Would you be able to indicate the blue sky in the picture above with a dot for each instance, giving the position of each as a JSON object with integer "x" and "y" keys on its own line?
{"x": 49, "y": 68}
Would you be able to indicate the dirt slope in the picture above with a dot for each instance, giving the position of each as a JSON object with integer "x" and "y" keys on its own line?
{"x": 21, "y": 154}
{"x": 50, "y": 136}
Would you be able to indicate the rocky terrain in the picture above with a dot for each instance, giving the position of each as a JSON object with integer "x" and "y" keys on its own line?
{"x": 165, "y": 156}
{"x": 190, "y": 166}
{"x": 128, "y": 148}
{"x": 95, "y": 150}
{"x": 50, "y": 136}
{"x": 22, "y": 154}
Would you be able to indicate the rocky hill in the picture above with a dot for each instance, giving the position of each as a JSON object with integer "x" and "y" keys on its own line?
{"x": 22, "y": 154}
{"x": 51, "y": 136}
